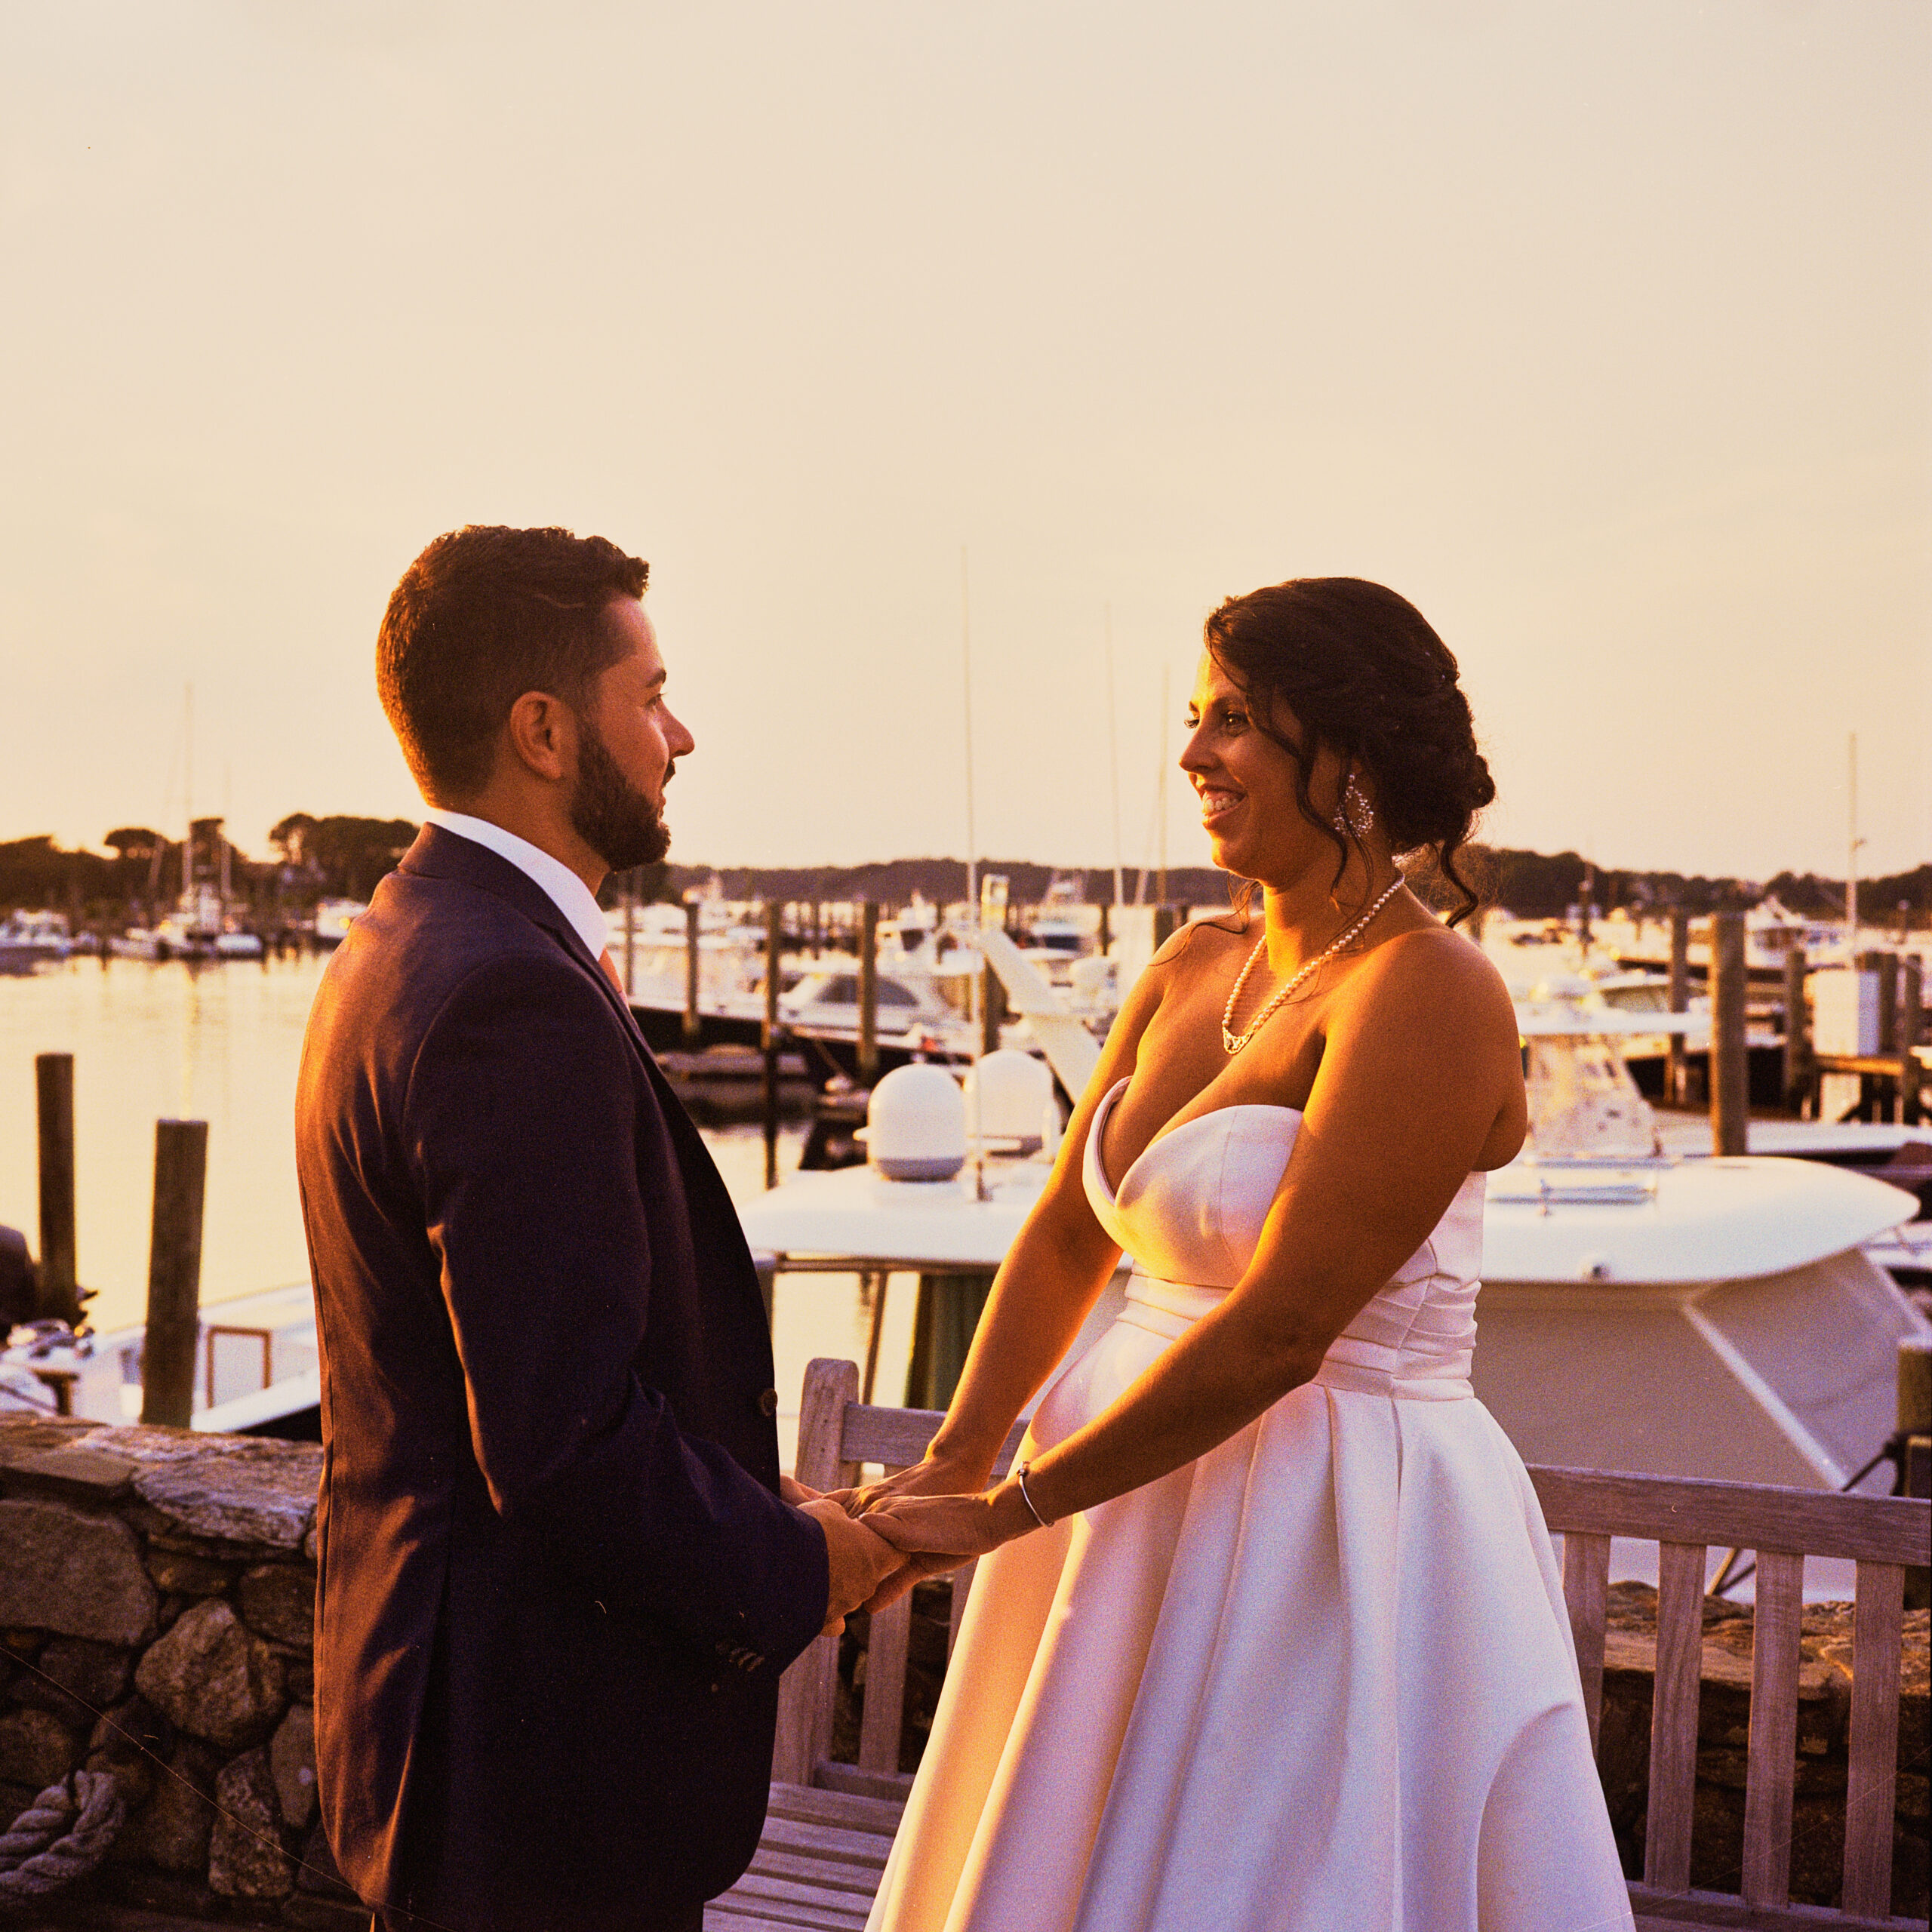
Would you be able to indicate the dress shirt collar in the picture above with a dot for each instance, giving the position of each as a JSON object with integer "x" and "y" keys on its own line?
{"x": 572, "y": 898}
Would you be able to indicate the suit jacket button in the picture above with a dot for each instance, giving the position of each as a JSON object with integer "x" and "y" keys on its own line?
{"x": 767, "y": 1403}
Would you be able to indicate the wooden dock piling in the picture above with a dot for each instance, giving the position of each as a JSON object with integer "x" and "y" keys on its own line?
{"x": 174, "y": 1272}
{"x": 694, "y": 1025}
{"x": 868, "y": 1060}
{"x": 774, "y": 942}
{"x": 1800, "y": 1076}
{"x": 630, "y": 930}
{"x": 1676, "y": 1080}
{"x": 1730, "y": 1073}
{"x": 992, "y": 1009}
{"x": 1909, "y": 1027}
{"x": 57, "y": 1298}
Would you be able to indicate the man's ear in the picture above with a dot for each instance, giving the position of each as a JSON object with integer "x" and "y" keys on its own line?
{"x": 541, "y": 733}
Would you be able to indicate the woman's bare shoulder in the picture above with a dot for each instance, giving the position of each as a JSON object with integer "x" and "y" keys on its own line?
{"x": 1433, "y": 974}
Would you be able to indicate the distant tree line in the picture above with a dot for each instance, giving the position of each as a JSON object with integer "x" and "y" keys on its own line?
{"x": 342, "y": 856}
{"x": 143, "y": 869}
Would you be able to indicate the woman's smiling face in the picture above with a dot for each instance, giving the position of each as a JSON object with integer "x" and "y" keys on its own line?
{"x": 1245, "y": 780}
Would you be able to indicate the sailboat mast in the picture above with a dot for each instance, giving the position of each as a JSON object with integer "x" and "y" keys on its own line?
{"x": 1113, "y": 748}
{"x": 188, "y": 789}
{"x": 1162, "y": 793}
{"x": 966, "y": 669}
{"x": 1851, "y": 856}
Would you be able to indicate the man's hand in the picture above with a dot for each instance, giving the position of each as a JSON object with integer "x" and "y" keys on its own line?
{"x": 859, "y": 1561}
{"x": 797, "y": 1493}
{"x": 936, "y": 1476}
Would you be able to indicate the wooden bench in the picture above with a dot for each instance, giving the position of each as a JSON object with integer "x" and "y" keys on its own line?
{"x": 1883, "y": 1534}
{"x": 832, "y": 1823}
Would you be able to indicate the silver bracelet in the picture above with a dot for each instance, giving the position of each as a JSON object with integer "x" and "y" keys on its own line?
{"x": 1032, "y": 1508}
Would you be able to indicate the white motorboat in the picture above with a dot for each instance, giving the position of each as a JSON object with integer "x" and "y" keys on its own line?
{"x": 1680, "y": 1317}
{"x": 255, "y": 1368}
{"x": 28, "y": 939}
{"x": 333, "y": 918}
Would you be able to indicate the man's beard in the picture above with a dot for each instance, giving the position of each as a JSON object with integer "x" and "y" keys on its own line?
{"x": 610, "y": 814}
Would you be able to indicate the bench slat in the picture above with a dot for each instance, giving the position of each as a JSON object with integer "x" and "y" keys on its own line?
{"x": 866, "y": 1850}
{"x": 885, "y": 1686}
{"x": 1680, "y": 1656}
{"x": 1587, "y": 1594}
{"x": 1875, "y": 1529}
{"x": 809, "y": 1904}
{"x": 735, "y": 1910}
{"x": 1656, "y": 1908}
{"x": 899, "y": 1436}
{"x": 1871, "y": 1786}
{"x": 891, "y": 1787}
{"x": 834, "y": 1874}
{"x": 853, "y": 1811}
{"x": 1770, "y": 1769}
{"x": 721, "y": 1915}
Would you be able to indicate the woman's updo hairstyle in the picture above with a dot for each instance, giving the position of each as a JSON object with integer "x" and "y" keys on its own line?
{"x": 1365, "y": 676}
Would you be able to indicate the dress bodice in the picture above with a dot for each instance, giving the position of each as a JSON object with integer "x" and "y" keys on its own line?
{"x": 1190, "y": 1212}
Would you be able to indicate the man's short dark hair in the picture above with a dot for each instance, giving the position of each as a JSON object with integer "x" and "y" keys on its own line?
{"x": 484, "y": 614}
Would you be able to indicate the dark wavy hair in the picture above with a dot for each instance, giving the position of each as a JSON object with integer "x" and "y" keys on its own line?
{"x": 485, "y": 614}
{"x": 1366, "y": 676}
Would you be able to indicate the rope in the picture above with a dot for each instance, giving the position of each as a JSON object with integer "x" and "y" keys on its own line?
{"x": 42, "y": 1851}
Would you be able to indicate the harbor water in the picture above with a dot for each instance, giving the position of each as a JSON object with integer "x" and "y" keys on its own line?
{"x": 221, "y": 1042}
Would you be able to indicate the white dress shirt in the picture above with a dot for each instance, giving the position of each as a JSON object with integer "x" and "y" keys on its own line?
{"x": 571, "y": 896}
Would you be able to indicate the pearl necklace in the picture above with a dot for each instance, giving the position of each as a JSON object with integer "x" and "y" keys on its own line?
{"x": 1233, "y": 1041}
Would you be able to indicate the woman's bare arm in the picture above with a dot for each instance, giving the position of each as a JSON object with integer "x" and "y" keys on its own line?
{"x": 1418, "y": 1069}
{"x": 1058, "y": 1264}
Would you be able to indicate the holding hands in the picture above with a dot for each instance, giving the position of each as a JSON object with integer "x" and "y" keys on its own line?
{"x": 936, "y": 1515}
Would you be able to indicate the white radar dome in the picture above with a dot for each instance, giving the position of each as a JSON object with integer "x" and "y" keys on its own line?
{"x": 915, "y": 1124}
{"x": 1014, "y": 1089}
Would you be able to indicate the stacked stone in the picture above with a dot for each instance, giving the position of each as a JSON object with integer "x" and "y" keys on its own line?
{"x": 1824, "y": 1716}
{"x": 157, "y": 1613}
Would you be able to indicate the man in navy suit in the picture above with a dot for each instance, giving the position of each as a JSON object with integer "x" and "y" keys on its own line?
{"x": 559, "y": 1571}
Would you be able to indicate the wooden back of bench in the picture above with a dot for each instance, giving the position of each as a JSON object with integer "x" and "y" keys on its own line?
{"x": 1883, "y": 1534}
{"x": 837, "y": 1434}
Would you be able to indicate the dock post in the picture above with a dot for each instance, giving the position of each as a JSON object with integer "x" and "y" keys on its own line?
{"x": 57, "y": 1299}
{"x": 1165, "y": 923}
{"x": 992, "y": 1009}
{"x": 868, "y": 1060}
{"x": 1676, "y": 1082}
{"x": 1731, "y": 1072}
{"x": 630, "y": 930}
{"x": 1106, "y": 938}
{"x": 1800, "y": 1078}
{"x": 1914, "y": 1444}
{"x": 174, "y": 1272}
{"x": 774, "y": 942}
{"x": 1910, "y": 1023}
{"x": 694, "y": 1025}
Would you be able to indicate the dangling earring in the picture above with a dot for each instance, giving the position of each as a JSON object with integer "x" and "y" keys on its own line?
{"x": 1354, "y": 814}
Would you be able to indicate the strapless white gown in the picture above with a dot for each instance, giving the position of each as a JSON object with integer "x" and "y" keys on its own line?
{"x": 1321, "y": 1680}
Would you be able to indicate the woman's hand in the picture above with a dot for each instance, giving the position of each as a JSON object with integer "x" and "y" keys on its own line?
{"x": 950, "y": 1477}
{"x": 955, "y": 1528}
{"x": 936, "y": 1475}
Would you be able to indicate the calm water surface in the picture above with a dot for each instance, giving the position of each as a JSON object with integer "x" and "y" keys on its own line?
{"x": 221, "y": 1043}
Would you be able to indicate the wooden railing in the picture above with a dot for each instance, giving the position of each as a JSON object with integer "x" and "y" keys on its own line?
{"x": 838, "y": 1435}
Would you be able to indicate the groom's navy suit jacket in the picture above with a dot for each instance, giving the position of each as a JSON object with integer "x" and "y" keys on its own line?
{"x": 557, "y": 1586}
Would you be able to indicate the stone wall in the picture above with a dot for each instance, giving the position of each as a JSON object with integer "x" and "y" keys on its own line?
{"x": 157, "y": 1608}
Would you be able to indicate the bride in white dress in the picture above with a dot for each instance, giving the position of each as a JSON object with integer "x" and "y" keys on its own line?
{"x": 1270, "y": 1637}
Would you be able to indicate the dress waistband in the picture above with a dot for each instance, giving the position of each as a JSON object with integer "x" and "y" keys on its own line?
{"x": 1353, "y": 1362}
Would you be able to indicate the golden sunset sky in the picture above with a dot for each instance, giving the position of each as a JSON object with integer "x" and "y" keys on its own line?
{"x": 1602, "y": 329}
